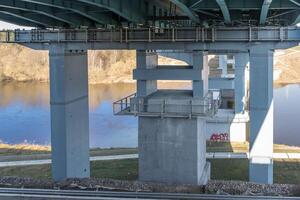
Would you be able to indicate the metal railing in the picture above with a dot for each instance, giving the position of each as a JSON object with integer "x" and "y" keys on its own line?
{"x": 133, "y": 105}
{"x": 126, "y": 35}
{"x": 123, "y": 105}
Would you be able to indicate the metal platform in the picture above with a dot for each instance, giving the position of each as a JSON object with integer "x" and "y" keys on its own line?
{"x": 164, "y": 103}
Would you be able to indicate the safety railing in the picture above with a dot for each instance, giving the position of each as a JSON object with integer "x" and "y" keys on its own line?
{"x": 123, "y": 105}
{"x": 133, "y": 105}
{"x": 126, "y": 35}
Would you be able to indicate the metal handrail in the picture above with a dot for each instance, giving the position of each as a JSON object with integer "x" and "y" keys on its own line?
{"x": 133, "y": 105}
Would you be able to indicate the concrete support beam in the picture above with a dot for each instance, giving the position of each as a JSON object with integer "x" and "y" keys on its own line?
{"x": 172, "y": 150}
{"x": 241, "y": 61}
{"x": 146, "y": 60}
{"x": 200, "y": 63}
{"x": 221, "y": 83}
{"x": 223, "y": 65}
{"x": 69, "y": 113}
{"x": 261, "y": 115}
{"x": 166, "y": 74}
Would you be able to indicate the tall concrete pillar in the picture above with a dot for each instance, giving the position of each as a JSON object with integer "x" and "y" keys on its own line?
{"x": 146, "y": 60}
{"x": 200, "y": 62}
{"x": 261, "y": 115}
{"x": 241, "y": 61}
{"x": 223, "y": 64}
{"x": 172, "y": 149}
{"x": 69, "y": 113}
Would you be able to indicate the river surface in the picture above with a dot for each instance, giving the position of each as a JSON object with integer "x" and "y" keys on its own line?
{"x": 25, "y": 116}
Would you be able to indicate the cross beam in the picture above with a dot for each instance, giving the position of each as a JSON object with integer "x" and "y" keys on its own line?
{"x": 225, "y": 11}
{"x": 186, "y": 10}
{"x": 128, "y": 9}
{"x": 264, "y": 11}
{"x": 76, "y": 8}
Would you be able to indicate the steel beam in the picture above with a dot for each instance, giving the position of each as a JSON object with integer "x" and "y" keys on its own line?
{"x": 187, "y": 11}
{"x": 39, "y": 9}
{"x": 39, "y": 21}
{"x": 78, "y": 9}
{"x": 17, "y": 20}
{"x": 225, "y": 11}
{"x": 126, "y": 8}
{"x": 264, "y": 11}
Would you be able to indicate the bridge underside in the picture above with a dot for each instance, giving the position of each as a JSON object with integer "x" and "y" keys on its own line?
{"x": 149, "y": 13}
{"x": 196, "y": 27}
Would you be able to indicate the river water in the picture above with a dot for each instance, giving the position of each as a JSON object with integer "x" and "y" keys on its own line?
{"x": 25, "y": 116}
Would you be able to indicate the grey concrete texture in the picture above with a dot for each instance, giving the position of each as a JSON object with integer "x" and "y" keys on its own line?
{"x": 172, "y": 150}
{"x": 69, "y": 114}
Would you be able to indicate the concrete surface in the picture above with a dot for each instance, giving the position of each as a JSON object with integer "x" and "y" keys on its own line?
{"x": 172, "y": 150}
{"x": 261, "y": 115}
{"x": 69, "y": 113}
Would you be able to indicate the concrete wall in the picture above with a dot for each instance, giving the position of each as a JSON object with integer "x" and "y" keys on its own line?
{"x": 172, "y": 150}
{"x": 227, "y": 126}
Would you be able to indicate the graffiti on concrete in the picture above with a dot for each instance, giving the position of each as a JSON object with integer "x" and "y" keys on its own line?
{"x": 222, "y": 137}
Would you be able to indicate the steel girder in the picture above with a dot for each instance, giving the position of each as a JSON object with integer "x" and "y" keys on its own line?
{"x": 79, "y": 9}
{"x": 225, "y": 11}
{"x": 99, "y": 13}
{"x": 128, "y": 9}
{"x": 264, "y": 11}
{"x": 54, "y": 13}
{"x": 183, "y": 6}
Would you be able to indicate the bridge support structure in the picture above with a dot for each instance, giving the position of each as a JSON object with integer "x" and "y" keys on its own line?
{"x": 172, "y": 148}
{"x": 223, "y": 64}
{"x": 261, "y": 115}
{"x": 69, "y": 113}
{"x": 178, "y": 135}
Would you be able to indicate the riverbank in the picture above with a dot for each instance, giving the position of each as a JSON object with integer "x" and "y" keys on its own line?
{"x": 285, "y": 171}
{"x": 21, "y": 152}
{"x": 22, "y": 64}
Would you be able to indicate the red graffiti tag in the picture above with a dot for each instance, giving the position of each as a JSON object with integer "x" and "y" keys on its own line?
{"x": 222, "y": 137}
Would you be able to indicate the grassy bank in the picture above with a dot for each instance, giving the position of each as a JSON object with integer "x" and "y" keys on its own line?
{"x": 285, "y": 171}
{"x": 27, "y": 151}
{"x": 222, "y": 169}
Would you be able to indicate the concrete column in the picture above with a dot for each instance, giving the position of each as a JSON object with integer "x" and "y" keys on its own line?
{"x": 223, "y": 64}
{"x": 69, "y": 113}
{"x": 146, "y": 60}
{"x": 241, "y": 61}
{"x": 261, "y": 115}
{"x": 200, "y": 62}
{"x": 172, "y": 150}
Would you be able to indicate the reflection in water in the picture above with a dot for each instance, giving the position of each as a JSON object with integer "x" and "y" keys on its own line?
{"x": 24, "y": 114}
{"x": 286, "y": 115}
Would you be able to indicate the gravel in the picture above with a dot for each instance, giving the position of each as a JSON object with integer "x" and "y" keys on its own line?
{"x": 252, "y": 189}
{"x": 213, "y": 187}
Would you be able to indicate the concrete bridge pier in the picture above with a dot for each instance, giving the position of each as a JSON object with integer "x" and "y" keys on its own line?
{"x": 69, "y": 113}
{"x": 172, "y": 148}
{"x": 241, "y": 61}
{"x": 261, "y": 115}
{"x": 146, "y": 60}
{"x": 223, "y": 65}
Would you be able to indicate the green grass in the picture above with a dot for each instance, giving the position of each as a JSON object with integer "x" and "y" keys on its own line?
{"x": 285, "y": 171}
{"x": 222, "y": 169}
{"x": 120, "y": 169}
